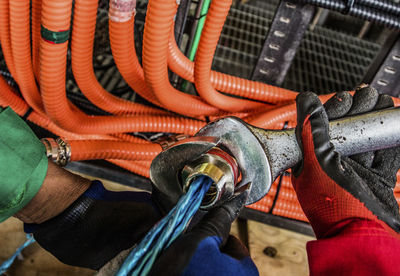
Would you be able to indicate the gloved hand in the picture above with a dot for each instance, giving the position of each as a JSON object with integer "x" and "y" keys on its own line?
{"x": 97, "y": 226}
{"x": 333, "y": 189}
{"x": 208, "y": 249}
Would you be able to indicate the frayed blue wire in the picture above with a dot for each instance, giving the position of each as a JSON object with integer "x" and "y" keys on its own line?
{"x": 6, "y": 265}
{"x": 143, "y": 256}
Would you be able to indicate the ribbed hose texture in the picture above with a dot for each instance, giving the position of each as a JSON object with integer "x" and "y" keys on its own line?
{"x": 84, "y": 25}
{"x": 5, "y": 38}
{"x": 182, "y": 66}
{"x": 21, "y": 52}
{"x": 36, "y": 19}
{"x": 139, "y": 167}
{"x": 52, "y": 79}
{"x": 217, "y": 14}
{"x": 158, "y": 25}
{"x": 363, "y": 12}
{"x": 382, "y": 5}
{"x": 125, "y": 57}
{"x": 106, "y": 149}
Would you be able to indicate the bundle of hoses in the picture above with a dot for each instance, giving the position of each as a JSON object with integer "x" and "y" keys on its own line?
{"x": 35, "y": 50}
{"x": 386, "y": 13}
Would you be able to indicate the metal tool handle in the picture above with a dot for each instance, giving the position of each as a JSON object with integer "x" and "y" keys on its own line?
{"x": 350, "y": 135}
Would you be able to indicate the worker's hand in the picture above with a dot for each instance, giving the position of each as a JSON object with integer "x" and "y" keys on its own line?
{"x": 333, "y": 189}
{"x": 97, "y": 226}
{"x": 208, "y": 249}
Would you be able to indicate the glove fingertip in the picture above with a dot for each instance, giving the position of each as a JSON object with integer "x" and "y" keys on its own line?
{"x": 338, "y": 105}
{"x": 384, "y": 101}
{"x": 306, "y": 103}
{"x": 364, "y": 100}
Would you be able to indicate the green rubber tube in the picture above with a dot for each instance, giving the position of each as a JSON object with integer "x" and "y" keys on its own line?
{"x": 197, "y": 35}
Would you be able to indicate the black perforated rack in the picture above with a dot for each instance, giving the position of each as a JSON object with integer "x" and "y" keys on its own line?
{"x": 326, "y": 60}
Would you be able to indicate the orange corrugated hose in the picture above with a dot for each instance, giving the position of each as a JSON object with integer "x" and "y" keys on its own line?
{"x": 9, "y": 98}
{"x": 159, "y": 21}
{"x": 5, "y": 38}
{"x": 217, "y": 14}
{"x": 21, "y": 51}
{"x": 84, "y": 25}
{"x": 35, "y": 19}
{"x": 126, "y": 151}
{"x": 55, "y": 17}
{"x": 107, "y": 149}
{"x": 275, "y": 117}
{"x": 124, "y": 54}
{"x": 130, "y": 138}
{"x": 139, "y": 167}
{"x": 182, "y": 66}
{"x": 121, "y": 39}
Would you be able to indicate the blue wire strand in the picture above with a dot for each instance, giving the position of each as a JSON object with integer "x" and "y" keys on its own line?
{"x": 179, "y": 228}
{"x": 143, "y": 256}
{"x": 7, "y": 264}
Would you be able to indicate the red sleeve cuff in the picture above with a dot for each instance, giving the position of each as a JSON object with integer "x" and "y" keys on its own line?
{"x": 361, "y": 247}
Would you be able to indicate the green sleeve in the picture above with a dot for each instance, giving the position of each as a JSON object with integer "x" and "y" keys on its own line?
{"x": 23, "y": 164}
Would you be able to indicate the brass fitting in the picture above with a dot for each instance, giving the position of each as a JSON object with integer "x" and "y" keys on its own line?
{"x": 59, "y": 151}
{"x": 221, "y": 168}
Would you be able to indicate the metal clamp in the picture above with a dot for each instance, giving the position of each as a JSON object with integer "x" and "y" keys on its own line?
{"x": 59, "y": 151}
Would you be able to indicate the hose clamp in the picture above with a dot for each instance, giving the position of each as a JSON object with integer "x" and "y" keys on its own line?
{"x": 59, "y": 151}
{"x": 64, "y": 155}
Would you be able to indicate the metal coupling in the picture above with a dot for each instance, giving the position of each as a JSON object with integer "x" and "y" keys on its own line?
{"x": 221, "y": 168}
{"x": 59, "y": 151}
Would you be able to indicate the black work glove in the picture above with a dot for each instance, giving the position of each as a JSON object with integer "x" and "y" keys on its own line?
{"x": 208, "y": 249}
{"x": 97, "y": 226}
{"x": 332, "y": 188}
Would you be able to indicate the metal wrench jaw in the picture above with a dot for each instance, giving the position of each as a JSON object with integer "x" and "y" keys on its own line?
{"x": 174, "y": 169}
{"x": 239, "y": 140}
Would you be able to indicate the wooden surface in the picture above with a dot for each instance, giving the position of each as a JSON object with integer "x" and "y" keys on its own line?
{"x": 291, "y": 257}
{"x": 36, "y": 261}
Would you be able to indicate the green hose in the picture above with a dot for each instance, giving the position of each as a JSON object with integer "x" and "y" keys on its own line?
{"x": 197, "y": 35}
{"x": 199, "y": 29}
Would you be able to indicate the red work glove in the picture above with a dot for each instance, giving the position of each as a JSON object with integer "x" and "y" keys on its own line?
{"x": 333, "y": 189}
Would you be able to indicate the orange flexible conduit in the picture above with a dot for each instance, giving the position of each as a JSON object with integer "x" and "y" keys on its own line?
{"x": 106, "y": 149}
{"x": 124, "y": 54}
{"x": 52, "y": 80}
{"x": 217, "y": 14}
{"x": 35, "y": 17}
{"x": 84, "y": 25}
{"x": 5, "y": 38}
{"x": 159, "y": 22}
{"x": 9, "y": 98}
{"x": 139, "y": 167}
{"x": 105, "y": 137}
{"x": 21, "y": 51}
{"x": 182, "y": 66}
